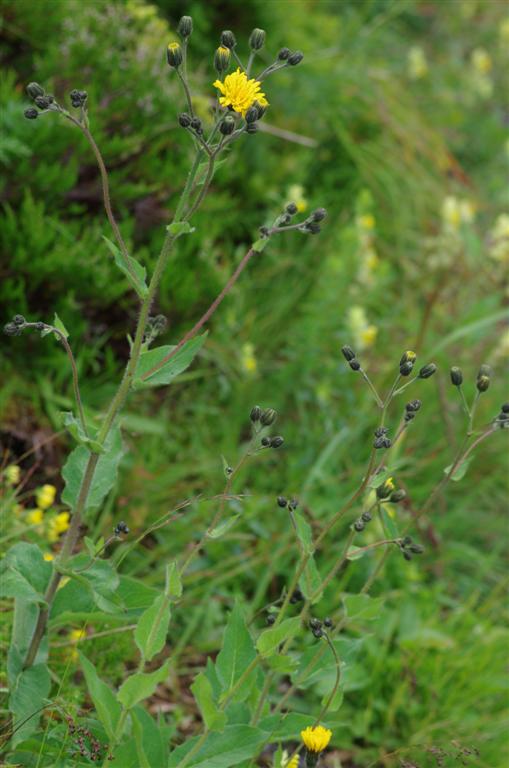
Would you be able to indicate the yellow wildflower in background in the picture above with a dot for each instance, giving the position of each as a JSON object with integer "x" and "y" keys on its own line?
{"x": 366, "y": 221}
{"x": 456, "y": 212}
{"x": 289, "y": 763}
{"x": 34, "y": 517}
{"x": 49, "y": 556}
{"x": 239, "y": 92}
{"x": 12, "y": 474}
{"x": 75, "y": 635}
{"x": 417, "y": 63}
{"x": 248, "y": 358}
{"x": 57, "y": 525}
{"x": 503, "y": 30}
{"x": 499, "y": 239}
{"x": 481, "y": 61}
{"x": 296, "y": 195}
{"x": 315, "y": 738}
{"x": 363, "y": 333}
{"x": 45, "y": 496}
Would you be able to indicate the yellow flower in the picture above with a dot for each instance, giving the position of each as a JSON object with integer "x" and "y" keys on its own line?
{"x": 34, "y": 517}
{"x": 316, "y": 738}
{"x": 417, "y": 63}
{"x": 248, "y": 360}
{"x": 12, "y": 474}
{"x": 286, "y": 763}
{"x": 363, "y": 333}
{"x": 499, "y": 239}
{"x": 503, "y": 29}
{"x": 58, "y": 525}
{"x": 367, "y": 221}
{"x": 368, "y": 335}
{"x": 75, "y": 636}
{"x": 410, "y": 357}
{"x": 481, "y": 61}
{"x": 45, "y": 496}
{"x": 296, "y": 195}
{"x": 239, "y": 92}
{"x": 49, "y": 556}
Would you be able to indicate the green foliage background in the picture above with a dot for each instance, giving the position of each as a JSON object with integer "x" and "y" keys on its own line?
{"x": 377, "y": 142}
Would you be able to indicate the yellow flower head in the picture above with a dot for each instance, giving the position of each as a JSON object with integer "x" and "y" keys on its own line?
{"x": 248, "y": 359}
{"x": 316, "y": 738}
{"x": 58, "y": 525}
{"x": 49, "y": 556}
{"x": 410, "y": 356}
{"x": 293, "y": 763}
{"x": 239, "y": 92}
{"x": 417, "y": 63}
{"x": 12, "y": 474}
{"x": 366, "y": 221}
{"x": 481, "y": 61}
{"x": 34, "y": 517}
{"x": 45, "y": 496}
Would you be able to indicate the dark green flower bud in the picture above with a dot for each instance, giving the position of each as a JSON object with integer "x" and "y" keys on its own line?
{"x": 264, "y": 231}
{"x": 319, "y": 214}
{"x": 385, "y": 490}
{"x": 268, "y": 417}
{"x": 31, "y": 113}
{"x": 265, "y": 442}
{"x": 34, "y": 90}
{"x": 257, "y": 39}
{"x": 276, "y": 442}
{"x": 121, "y": 527}
{"x": 327, "y": 622}
{"x": 413, "y": 405}
{"x": 291, "y": 208}
{"x": 42, "y": 102}
{"x": 354, "y": 365}
{"x": 174, "y": 55}
{"x": 18, "y": 320}
{"x": 251, "y": 128}
{"x": 11, "y": 329}
{"x": 185, "y": 27}
{"x": 359, "y": 526}
{"x": 296, "y": 597}
{"x": 261, "y": 110}
{"x": 295, "y": 58}
{"x": 317, "y": 632}
{"x": 407, "y": 555}
{"x": 456, "y": 376}
{"x": 313, "y": 228}
{"x": 397, "y": 496}
{"x": 416, "y": 549}
{"x": 283, "y": 54}
{"x": 484, "y": 370}
{"x": 315, "y": 623}
{"x": 408, "y": 357}
{"x": 271, "y": 618}
{"x": 281, "y": 502}
{"x": 366, "y": 517}
{"x": 221, "y": 59}
{"x": 380, "y": 431}
{"x": 228, "y": 39}
{"x": 284, "y": 219}
{"x": 405, "y": 369}
{"x": 184, "y": 120}
{"x": 505, "y": 408}
{"x": 251, "y": 115}
{"x": 483, "y": 383}
{"x": 427, "y": 371}
{"x": 255, "y": 414}
{"x": 409, "y": 415}
{"x": 40, "y": 326}
{"x": 348, "y": 352}
{"x": 227, "y": 125}
{"x": 293, "y": 504}
{"x": 196, "y": 125}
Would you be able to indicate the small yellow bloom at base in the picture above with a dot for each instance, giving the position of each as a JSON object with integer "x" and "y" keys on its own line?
{"x": 315, "y": 738}
{"x": 45, "y": 496}
{"x": 12, "y": 474}
{"x": 417, "y": 63}
{"x": 293, "y": 763}
{"x": 249, "y": 362}
{"x": 49, "y": 556}
{"x": 34, "y": 517}
{"x": 367, "y": 221}
{"x": 368, "y": 335}
{"x": 58, "y": 525}
{"x": 239, "y": 92}
{"x": 481, "y": 61}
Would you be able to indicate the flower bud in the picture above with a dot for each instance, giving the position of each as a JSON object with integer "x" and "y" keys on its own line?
{"x": 271, "y": 618}
{"x": 413, "y": 405}
{"x": 456, "y": 376}
{"x": 257, "y": 39}
{"x": 292, "y": 209}
{"x": 405, "y": 369}
{"x": 348, "y": 352}
{"x": 284, "y": 219}
{"x": 408, "y": 357}
{"x": 268, "y": 417}
{"x": 359, "y": 526}
{"x": 283, "y": 54}
{"x": 185, "y": 27}
{"x": 505, "y": 408}
{"x": 42, "y": 102}
{"x": 255, "y": 414}
{"x": 31, "y": 113}
{"x": 78, "y": 98}
{"x": 483, "y": 382}
{"x": 385, "y": 490}
{"x": 427, "y": 371}
{"x": 227, "y": 125}
{"x": 295, "y": 58}
{"x": 276, "y": 442}
{"x": 228, "y": 39}
{"x": 251, "y": 128}
{"x": 281, "y": 502}
{"x": 261, "y": 110}
{"x": 251, "y": 115}
{"x": 18, "y": 320}
{"x": 319, "y": 214}
{"x": 184, "y": 120}
{"x": 196, "y": 125}
{"x": 313, "y": 228}
{"x": 354, "y": 365}
{"x": 174, "y": 55}
{"x": 366, "y": 517}
{"x": 327, "y": 622}
{"x": 34, "y": 89}
{"x": 397, "y": 496}
{"x": 222, "y": 59}
{"x": 11, "y": 329}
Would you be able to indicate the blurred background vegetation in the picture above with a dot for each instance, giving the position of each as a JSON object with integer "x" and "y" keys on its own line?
{"x": 399, "y": 129}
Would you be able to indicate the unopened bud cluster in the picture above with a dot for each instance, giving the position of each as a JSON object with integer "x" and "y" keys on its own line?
{"x": 381, "y": 439}
{"x": 409, "y": 548}
{"x": 15, "y": 327}
{"x": 411, "y": 409}
{"x": 483, "y": 378}
{"x": 43, "y": 101}
{"x": 502, "y": 419}
{"x": 318, "y": 627}
{"x": 350, "y": 358}
{"x": 265, "y": 418}
{"x": 285, "y": 503}
{"x": 121, "y": 528}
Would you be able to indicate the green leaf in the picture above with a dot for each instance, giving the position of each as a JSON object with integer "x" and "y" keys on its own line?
{"x": 107, "y": 707}
{"x": 150, "y": 742}
{"x": 57, "y": 323}
{"x": 151, "y": 371}
{"x": 173, "y": 587}
{"x": 460, "y": 471}
{"x": 304, "y": 533}
{"x": 152, "y": 628}
{"x": 363, "y": 606}
{"x": 237, "y": 653}
{"x": 388, "y": 523}
{"x": 141, "y": 685}
{"x": 27, "y": 697}
{"x": 260, "y": 245}
{"x": 136, "y": 274}
{"x": 105, "y": 474}
{"x": 355, "y": 553}
{"x": 24, "y": 572}
{"x": 178, "y": 228}
{"x": 270, "y": 639}
{"x": 311, "y": 581}
{"x": 221, "y": 750}
{"x": 223, "y": 527}
{"x": 214, "y": 719}
{"x": 75, "y": 429}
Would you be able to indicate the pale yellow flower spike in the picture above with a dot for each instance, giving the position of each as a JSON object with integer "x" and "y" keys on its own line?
{"x": 293, "y": 763}
{"x": 239, "y": 92}
{"x": 315, "y": 738}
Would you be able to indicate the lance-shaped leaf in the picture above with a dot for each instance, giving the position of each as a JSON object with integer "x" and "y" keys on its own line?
{"x": 214, "y": 719}
{"x": 154, "y": 371}
{"x": 151, "y": 630}
{"x": 237, "y": 653}
{"x": 75, "y": 428}
{"x": 107, "y": 707}
{"x": 141, "y": 685}
{"x": 132, "y": 269}
{"x": 270, "y": 639}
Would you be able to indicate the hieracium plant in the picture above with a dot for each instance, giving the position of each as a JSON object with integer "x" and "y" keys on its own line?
{"x": 244, "y": 722}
